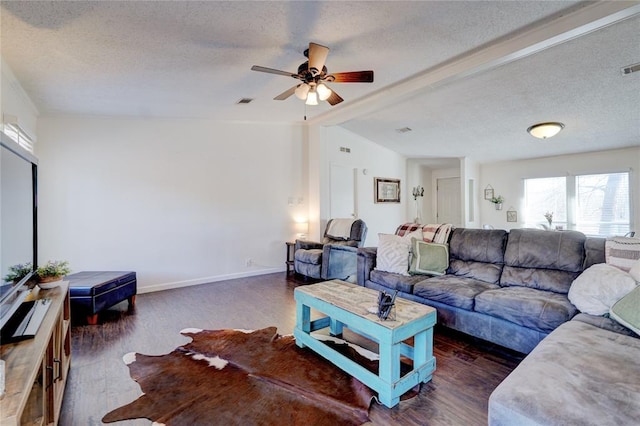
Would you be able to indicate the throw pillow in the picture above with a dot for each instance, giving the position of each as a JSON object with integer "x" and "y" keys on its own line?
{"x": 627, "y": 312}
{"x": 428, "y": 258}
{"x": 393, "y": 254}
{"x": 599, "y": 287}
{"x": 622, "y": 252}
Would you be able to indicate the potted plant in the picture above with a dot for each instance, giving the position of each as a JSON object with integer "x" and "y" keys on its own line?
{"x": 52, "y": 271}
{"x": 497, "y": 201}
{"x": 18, "y": 272}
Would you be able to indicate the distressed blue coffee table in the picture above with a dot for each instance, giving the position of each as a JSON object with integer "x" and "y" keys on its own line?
{"x": 345, "y": 304}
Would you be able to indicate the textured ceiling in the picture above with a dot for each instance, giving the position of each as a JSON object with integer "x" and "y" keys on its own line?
{"x": 193, "y": 59}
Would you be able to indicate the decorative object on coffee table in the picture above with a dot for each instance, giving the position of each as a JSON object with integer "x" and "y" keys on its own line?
{"x": 385, "y": 305}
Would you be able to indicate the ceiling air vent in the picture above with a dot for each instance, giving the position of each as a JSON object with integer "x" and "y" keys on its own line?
{"x": 404, "y": 130}
{"x": 244, "y": 101}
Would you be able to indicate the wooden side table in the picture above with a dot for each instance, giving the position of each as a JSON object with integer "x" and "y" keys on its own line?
{"x": 291, "y": 247}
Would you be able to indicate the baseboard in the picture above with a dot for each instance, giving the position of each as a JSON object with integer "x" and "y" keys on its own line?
{"x": 205, "y": 280}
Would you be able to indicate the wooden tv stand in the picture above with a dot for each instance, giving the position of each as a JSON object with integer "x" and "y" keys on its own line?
{"x": 36, "y": 369}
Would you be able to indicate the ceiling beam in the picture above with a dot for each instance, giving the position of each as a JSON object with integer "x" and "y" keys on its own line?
{"x": 585, "y": 18}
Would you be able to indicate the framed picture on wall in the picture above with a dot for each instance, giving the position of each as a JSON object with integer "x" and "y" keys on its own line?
{"x": 512, "y": 216}
{"x": 386, "y": 190}
{"x": 488, "y": 193}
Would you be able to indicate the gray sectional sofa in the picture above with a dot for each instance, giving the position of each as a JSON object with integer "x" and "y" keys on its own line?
{"x": 511, "y": 288}
{"x": 508, "y": 288}
{"x": 586, "y": 372}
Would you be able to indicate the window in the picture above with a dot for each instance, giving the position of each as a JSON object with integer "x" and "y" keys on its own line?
{"x": 545, "y": 195}
{"x": 16, "y": 133}
{"x": 597, "y": 204}
{"x": 603, "y": 204}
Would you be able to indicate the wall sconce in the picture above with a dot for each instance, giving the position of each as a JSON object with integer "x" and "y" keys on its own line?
{"x": 418, "y": 191}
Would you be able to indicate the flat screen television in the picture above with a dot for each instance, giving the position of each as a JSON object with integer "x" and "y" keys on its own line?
{"x": 18, "y": 221}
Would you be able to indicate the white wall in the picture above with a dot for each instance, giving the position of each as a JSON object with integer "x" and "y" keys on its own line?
{"x": 506, "y": 178}
{"x": 377, "y": 161}
{"x": 179, "y": 201}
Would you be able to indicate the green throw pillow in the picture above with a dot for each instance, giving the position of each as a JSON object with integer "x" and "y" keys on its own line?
{"x": 627, "y": 310}
{"x": 428, "y": 258}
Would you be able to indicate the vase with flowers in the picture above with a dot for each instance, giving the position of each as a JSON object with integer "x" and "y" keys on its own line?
{"x": 549, "y": 217}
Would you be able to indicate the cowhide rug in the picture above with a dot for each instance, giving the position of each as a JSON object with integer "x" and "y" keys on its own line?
{"x": 239, "y": 377}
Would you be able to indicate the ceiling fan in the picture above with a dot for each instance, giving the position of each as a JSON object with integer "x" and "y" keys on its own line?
{"x": 314, "y": 76}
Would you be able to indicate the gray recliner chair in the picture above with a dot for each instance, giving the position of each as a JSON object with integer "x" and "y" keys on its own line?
{"x": 336, "y": 256}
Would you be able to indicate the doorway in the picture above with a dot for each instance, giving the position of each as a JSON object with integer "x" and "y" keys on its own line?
{"x": 448, "y": 201}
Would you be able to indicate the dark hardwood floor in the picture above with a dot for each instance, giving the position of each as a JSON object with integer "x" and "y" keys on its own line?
{"x": 467, "y": 369}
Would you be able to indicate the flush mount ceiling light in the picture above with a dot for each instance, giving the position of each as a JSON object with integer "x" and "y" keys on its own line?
{"x": 545, "y": 130}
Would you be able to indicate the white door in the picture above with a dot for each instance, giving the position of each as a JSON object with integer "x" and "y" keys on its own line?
{"x": 342, "y": 200}
{"x": 448, "y": 201}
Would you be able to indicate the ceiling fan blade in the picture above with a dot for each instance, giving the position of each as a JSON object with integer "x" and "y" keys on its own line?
{"x": 284, "y": 95}
{"x": 351, "y": 77}
{"x": 317, "y": 57}
{"x": 274, "y": 71}
{"x": 334, "y": 99}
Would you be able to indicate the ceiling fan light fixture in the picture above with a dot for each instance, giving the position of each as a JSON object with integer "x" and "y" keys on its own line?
{"x": 301, "y": 91}
{"x": 312, "y": 98}
{"x": 323, "y": 92}
{"x": 545, "y": 130}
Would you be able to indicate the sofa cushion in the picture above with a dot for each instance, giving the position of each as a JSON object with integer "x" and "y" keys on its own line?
{"x": 478, "y": 245}
{"x": 395, "y": 281}
{"x": 477, "y": 253}
{"x": 487, "y": 272}
{"x": 599, "y": 287}
{"x": 312, "y": 256}
{"x": 594, "y": 251}
{"x": 578, "y": 375}
{"x": 545, "y": 260}
{"x": 428, "y": 258}
{"x": 532, "y": 308}
{"x": 452, "y": 290}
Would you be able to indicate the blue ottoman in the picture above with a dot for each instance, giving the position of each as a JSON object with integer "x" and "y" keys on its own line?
{"x": 93, "y": 291}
